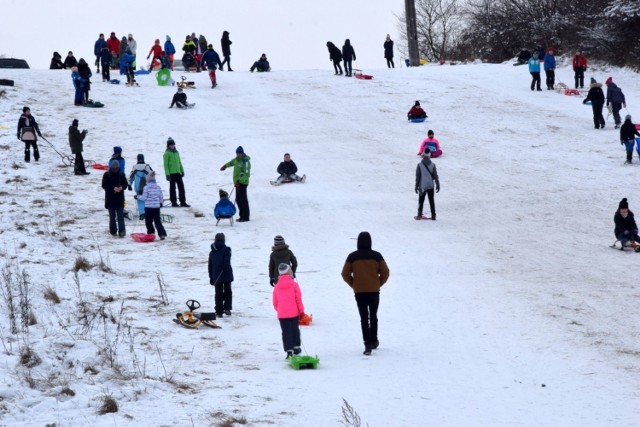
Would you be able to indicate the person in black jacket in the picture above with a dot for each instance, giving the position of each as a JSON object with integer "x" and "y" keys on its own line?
{"x": 114, "y": 183}
{"x": 388, "y": 52}
{"x": 75, "y": 142}
{"x": 348, "y": 55}
{"x": 27, "y": 130}
{"x": 221, "y": 275}
{"x": 596, "y": 96}
{"x": 287, "y": 170}
{"x": 70, "y": 61}
{"x": 56, "y": 62}
{"x": 628, "y": 132}
{"x": 336, "y": 56}
{"x": 85, "y": 72}
{"x": 179, "y": 99}
{"x": 626, "y": 229}
{"x": 226, "y": 50}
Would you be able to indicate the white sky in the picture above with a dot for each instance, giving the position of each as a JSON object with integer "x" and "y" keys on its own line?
{"x": 293, "y": 34}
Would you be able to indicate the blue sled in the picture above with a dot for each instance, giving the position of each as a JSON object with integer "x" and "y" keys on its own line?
{"x": 417, "y": 120}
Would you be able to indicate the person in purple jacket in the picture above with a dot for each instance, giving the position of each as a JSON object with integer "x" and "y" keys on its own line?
{"x": 153, "y": 198}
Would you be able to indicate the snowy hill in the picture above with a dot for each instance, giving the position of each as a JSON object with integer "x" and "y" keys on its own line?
{"x": 510, "y": 309}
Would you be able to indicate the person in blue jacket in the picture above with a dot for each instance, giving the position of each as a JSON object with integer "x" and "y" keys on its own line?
{"x": 224, "y": 208}
{"x": 212, "y": 60}
{"x": 78, "y": 85}
{"x": 170, "y": 50}
{"x": 128, "y": 58}
{"x": 105, "y": 60}
{"x": 534, "y": 69}
{"x": 221, "y": 275}
{"x": 97, "y": 50}
{"x": 615, "y": 100}
{"x": 550, "y": 69}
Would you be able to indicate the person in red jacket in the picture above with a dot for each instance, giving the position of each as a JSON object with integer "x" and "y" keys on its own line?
{"x": 156, "y": 50}
{"x": 416, "y": 112}
{"x": 287, "y": 301}
{"x": 579, "y": 67}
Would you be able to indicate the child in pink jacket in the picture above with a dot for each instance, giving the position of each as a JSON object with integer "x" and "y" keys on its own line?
{"x": 287, "y": 300}
{"x": 432, "y": 144}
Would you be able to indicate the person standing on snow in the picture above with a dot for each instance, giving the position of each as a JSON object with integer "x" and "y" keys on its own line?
{"x": 335, "y": 56}
{"x": 105, "y": 61}
{"x": 550, "y": 69}
{"x": 114, "y": 46}
{"x": 241, "y": 174}
{"x": 348, "y": 55}
{"x": 615, "y": 100}
{"x": 211, "y": 60}
{"x": 78, "y": 86}
{"x": 226, "y": 50}
{"x": 75, "y": 142}
{"x": 85, "y": 72}
{"x": 596, "y": 96}
{"x": 426, "y": 181}
{"x": 628, "y": 132}
{"x": 287, "y": 301}
{"x": 152, "y": 200}
{"x": 388, "y": 51}
{"x": 114, "y": 183}
{"x": 280, "y": 254}
{"x": 579, "y": 67}
{"x": 138, "y": 178}
{"x": 97, "y": 49}
{"x": 221, "y": 275}
{"x": 366, "y": 271}
{"x": 156, "y": 50}
{"x": 27, "y": 130}
{"x": 174, "y": 171}
{"x": 625, "y": 229}
{"x": 534, "y": 70}
{"x": 169, "y": 50}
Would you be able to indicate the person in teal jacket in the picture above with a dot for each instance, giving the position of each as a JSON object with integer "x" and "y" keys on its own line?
{"x": 174, "y": 171}
{"x": 534, "y": 69}
{"x": 241, "y": 173}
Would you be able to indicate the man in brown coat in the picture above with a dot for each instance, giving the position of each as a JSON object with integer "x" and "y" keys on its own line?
{"x": 366, "y": 271}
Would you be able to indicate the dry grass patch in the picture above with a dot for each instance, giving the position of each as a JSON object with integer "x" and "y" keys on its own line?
{"x": 66, "y": 222}
{"x": 16, "y": 166}
{"x": 29, "y": 358}
{"x": 107, "y": 405}
{"x": 82, "y": 263}
{"x": 67, "y": 392}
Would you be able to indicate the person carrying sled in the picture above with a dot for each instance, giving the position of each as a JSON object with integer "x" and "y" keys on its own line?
{"x": 596, "y": 96}
{"x": 287, "y": 301}
{"x": 179, "y": 99}
{"x": 416, "y": 112}
{"x": 280, "y": 254}
{"x": 615, "y": 100}
{"x": 211, "y": 60}
{"x": 152, "y": 200}
{"x": 56, "y": 62}
{"x": 75, "y": 142}
{"x": 426, "y": 181}
{"x": 534, "y": 70}
{"x": 262, "y": 64}
{"x": 366, "y": 271}
{"x": 138, "y": 178}
{"x": 156, "y": 51}
{"x": 579, "y": 67}
{"x": 432, "y": 144}
{"x": 626, "y": 229}
{"x": 287, "y": 170}
{"x": 241, "y": 174}
{"x": 174, "y": 172}
{"x": 114, "y": 183}
{"x": 628, "y": 132}
{"x": 335, "y": 56}
{"x": 27, "y": 130}
{"x": 224, "y": 208}
{"x": 221, "y": 275}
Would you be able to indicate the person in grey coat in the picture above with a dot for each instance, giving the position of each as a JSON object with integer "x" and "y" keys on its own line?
{"x": 75, "y": 142}
{"x": 426, "y": 181}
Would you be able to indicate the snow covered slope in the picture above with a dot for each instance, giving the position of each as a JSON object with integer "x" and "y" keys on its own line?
{"x": 510, "y": 309}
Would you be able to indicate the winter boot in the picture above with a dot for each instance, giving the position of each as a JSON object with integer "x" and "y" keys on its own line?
{"x": 375, "y": 344}
{"x": 297, "y": 350}
{"x": 367, "y": 349}
{"x": 289, "y": 354}
{"x": 27, "y": 156}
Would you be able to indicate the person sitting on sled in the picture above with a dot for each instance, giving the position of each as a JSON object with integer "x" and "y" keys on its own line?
{"x": 224, "y": 208}
{"x": 432, "y": 144}
{"x": 287, "y": 170}
{"x": 179, "y": 99}
{"x": 626, "y": 229}
{"x": 416, "y": 112}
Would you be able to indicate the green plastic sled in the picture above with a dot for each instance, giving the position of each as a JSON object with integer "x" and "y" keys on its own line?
{"x": 304, "y": 362}
{"x": 163, "y": 77}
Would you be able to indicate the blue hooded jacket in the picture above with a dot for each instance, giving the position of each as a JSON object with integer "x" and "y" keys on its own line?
{"x": 224, "y": 209}
{"x": 549, "y": 61}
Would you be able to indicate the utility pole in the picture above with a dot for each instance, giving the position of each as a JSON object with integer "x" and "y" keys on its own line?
{"x": 412, "y": 32}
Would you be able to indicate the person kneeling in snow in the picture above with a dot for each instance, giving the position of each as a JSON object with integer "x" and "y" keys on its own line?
{"x": 179, "y": 99}
{"x": 626, "y": 229}
{"x": 416, "y": 112}
{"x": 287, "y": 170}
{"x": 224, "y": 208}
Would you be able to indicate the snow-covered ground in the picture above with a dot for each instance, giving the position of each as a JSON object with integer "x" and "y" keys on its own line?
{"x": 510, "y": 309}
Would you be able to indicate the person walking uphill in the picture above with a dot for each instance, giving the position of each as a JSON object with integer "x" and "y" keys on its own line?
{"x": 287, "y": 301}
{"x": 221, "y": 275}
{"x": 241, "y": 173}
{"x": 280, "y": 254}
{"x": 366, "y": 272}
{"x": 75, "y": 142}
{"x": 174, "y": 171}
{"x": 226, "y": 50}
{"x": 348, "y": 55}
{"x": 596, "y": 96}
{"x": 152, "y": 200}
{"x": 615, "y": 100}
{"x": 426, "y": 180}
{"x": 336, "y": 56}
{"x": 27, "y": 130}
{"x": 628, "y": 132}
{"x": 211, "y": 60}
{"x": 114, "y": 183}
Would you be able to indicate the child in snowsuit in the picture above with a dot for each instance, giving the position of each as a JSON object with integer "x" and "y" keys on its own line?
{"x": 280, "y": 254}
{"x": 432, "y": 144}
{"x": 596, "y": 96}
{"x": 287, "y": 170}
{"x": 221, "y": 275}
{"x": 78, "y": 85}
{"x": 138, "y": 178}
{"x": 27, "y": 130}
{"x": 426, "y": 180}
{"x": 287, "y": 301}
{"x": 626, "y": 229}
{"x": 152, "y": 200}
{"x": 156, "y": 50}
{"x": 105, "y": 61}
{"x": 416, "y": 112}
{"x": 628, "y": 132}
{"x": 224, "y": 208}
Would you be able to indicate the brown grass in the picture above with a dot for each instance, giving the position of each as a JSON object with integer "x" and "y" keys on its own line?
{"x": 108, "y": 405}
{"x": 82, "y": 263}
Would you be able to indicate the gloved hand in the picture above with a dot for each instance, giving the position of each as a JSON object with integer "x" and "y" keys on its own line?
{"x": 168, "y": 178}
{"x": 584, "y": 101}
{"x": 182, "y": 174}
{"x": 40, "y": 134}
{"x": 437, "y": 188}
{"x": 85, "y": 131}
{"x": 237, "y": 184}
{"x": 417, "y": 190}
{"x": 129, "y": 187}
{"x": 271, "y": 281}
{"x": 223, "y": 167}
{"x": 621, "y": 142}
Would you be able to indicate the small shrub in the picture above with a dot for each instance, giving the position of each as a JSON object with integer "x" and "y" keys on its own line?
{"x": 17, "y": 166}
{"x": 108, "y": 405}
{"x": 51, "y": 295}
{"x": 81, "y": 264}
{"x": 29, "y": 358}
{"x": 67, "y": 392}
{"x": 66, "y": 222}
{"x": 91, "y": 370}
{"x": 23, "y": 245}
{"x": 32, "y": 319}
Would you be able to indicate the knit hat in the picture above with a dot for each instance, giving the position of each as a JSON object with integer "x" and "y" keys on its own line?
{"x": 170, "y": 141}
{"x": 284, "y": 269}
{"x": 627, "y": 117}
{"x": 219, "y": 237}
{"x": 140, "y": 158}
{"x": 179, "y": 90}
{"x": 210, "y": 46}
{"x": 152, "y": 175}
{"x": 609, "y": 81}
{"x": 74, "y": 122}
{"x": 417, "y": 104}
{"x": 623, "y": 204}
{"x": 430, "y": 133}
{"x": 223, "y": 193}
{"x": 117, "y": 150}
{"x": 278, "y": 240}
{"x": 593, "y": 81}
{"x": 240, "y": 150}
{"x": 426, "y": 152}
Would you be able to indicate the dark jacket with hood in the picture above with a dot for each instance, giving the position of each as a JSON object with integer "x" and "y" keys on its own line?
{"x": 595, "y": 95}
{"x": 111, "y": 179}
{"x": 365, "y": 270}
{"x": 334, "y": 52}
{"x": 624, "y": 224}
{"x": 75, "y": 139}
{"x": 628, "y": 131}
{"x": 287, "y": 168}
{"x": 281, "y": 254}
{"x": 70, "y": 61}
{"x": 226, "y": 44}
{"x": 348, "y": 53}
{"x": 56, "y": 62}
{"x": 614, "y": 94}
{"x": 220, "y": 270}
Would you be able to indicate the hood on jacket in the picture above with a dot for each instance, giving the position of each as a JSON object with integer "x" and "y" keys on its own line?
{"x": 225, "y": 34}
{"x": 140, "y": 158}
{"x": 364, "y": 241}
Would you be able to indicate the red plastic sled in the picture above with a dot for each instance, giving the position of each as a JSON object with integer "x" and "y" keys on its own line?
{"x": 143, "y": 237}
{"x": 358, "y": 75}
{"x": 571, "y": 92}
{"x": 100, "y": 166}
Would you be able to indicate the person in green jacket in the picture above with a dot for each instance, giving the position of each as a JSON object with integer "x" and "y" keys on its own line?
{"x": 174, "y": 172}
{"x": 241, "y": 173}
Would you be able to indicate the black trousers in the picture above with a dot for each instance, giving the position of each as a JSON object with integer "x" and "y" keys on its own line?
{"x": 227, "y": 60}
{"x": 242, "y": 201}
{"x": 223, "y": 297}
{"x": 390, "y": 63}
{"x": 579, "y": 77}
{"x": 337, "y": 67}
{"x": 176, "y": 179}
{"x": 151, "y": 217}
{"x": 432, "y": 203}
{"x": 551, "y": 78}
{"x": 598, "y": 118}
{"x": 535, "y": 79}
{"x": 27, "y": 150}
{"x": 78, "y": 166}
{"x": 290, "y": 333}
{"x": 347, "y": 67}
{"x": 368, "y": 308}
